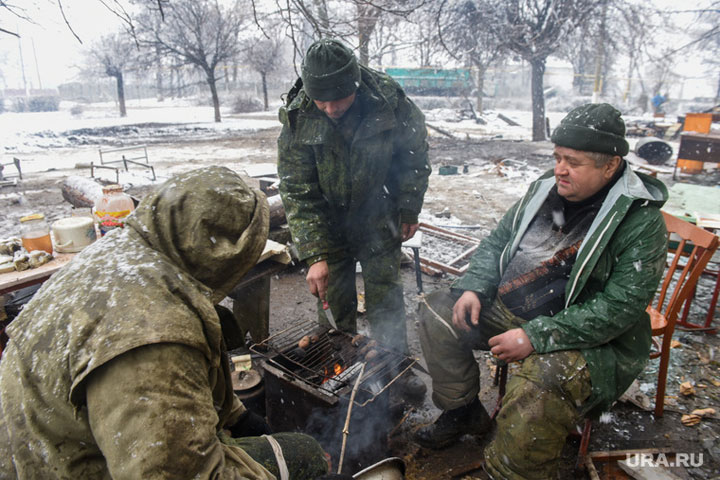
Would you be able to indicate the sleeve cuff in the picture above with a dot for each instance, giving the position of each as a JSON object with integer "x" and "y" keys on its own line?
{"x": 532, "y": 330}
{"x": 314, "y": 259}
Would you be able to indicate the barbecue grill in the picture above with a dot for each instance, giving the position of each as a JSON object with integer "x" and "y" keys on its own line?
{"x": 331, "y": 361}
{"x": 309, "y": 389}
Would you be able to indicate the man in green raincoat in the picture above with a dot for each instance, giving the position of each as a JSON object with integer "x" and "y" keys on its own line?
{"x": 353, "y": 166}
{"x": 560, "y": 285}
{"x": 117, "y": 367}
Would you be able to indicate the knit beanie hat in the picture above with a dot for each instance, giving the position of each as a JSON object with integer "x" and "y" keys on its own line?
{"x": 330, "y": 71}
{"x": 593, "y": 127}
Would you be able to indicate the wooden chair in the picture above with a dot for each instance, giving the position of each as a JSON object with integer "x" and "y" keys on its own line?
{"x": 696, "y": 246}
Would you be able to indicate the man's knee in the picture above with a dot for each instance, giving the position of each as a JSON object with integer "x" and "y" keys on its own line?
{"x": 564, "y": 373}
{"x": 436, "y": 310}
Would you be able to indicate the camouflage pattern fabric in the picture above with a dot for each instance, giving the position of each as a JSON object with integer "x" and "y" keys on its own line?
{"x": 448, "y": 351}
{"x": 348, "y": 186}
{"x": 304, "y": 457}
{"x": 541, "y": 405}
{"x": 383, "y": 295}
{"x": 115, "y": 369}
{"x": 338, "y": 193}
{"x": 545, "y": 398}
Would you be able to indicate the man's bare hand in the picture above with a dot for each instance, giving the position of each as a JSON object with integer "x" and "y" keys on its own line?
{"x": 468, "y": 303}
{"x": 511, "y": 346}
{"x": 317, "y": 279}
{"x": 408, "y": 230}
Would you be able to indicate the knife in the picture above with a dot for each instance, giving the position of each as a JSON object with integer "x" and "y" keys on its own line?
{"x": 329, "y": 315}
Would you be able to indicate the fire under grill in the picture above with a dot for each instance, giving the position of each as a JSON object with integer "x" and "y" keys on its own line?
{"x": 310, "y": 372}
{"x": 329, "y": 361}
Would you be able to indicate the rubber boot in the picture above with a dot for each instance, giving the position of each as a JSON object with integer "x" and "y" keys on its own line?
{"x": 453, "y": 424}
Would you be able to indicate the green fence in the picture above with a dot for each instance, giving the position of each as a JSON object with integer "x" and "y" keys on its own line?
{"x": 433, "y": 81}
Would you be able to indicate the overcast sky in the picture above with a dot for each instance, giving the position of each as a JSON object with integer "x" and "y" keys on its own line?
{"x": 58, "y": 52}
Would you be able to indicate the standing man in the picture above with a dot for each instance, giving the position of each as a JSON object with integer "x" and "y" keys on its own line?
{"x": 353, "y": 166}
{"x": 560, "y": 285}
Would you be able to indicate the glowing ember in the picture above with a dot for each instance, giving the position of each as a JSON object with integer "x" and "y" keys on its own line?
{"x": 337, "y": 369}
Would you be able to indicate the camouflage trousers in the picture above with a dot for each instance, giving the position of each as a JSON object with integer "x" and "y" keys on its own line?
{"x": 544, "y": 397}
{"x": 384, "y": 302}
{"x": 304, "y": 457}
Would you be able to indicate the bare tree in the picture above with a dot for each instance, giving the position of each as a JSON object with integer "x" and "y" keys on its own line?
{"x": 534, "y": 29}
{"x": 201, "y": 33}
{"x": 424, "y": 36}
{"x": 463, "y": 30}
{"x": 264, "y": 56}
{"x": 113, "y": 55}
{"x": 620, "y": 29}
{"x": 707, "y": 40}
{"x": 354, "y": 21}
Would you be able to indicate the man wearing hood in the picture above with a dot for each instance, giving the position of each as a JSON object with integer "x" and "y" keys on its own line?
{"x": 560, "y": 285}
{"x": 117, "y": 368}
{"x": 353, "y": 166}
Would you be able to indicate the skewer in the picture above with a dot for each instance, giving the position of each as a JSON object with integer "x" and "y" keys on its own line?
{"x": 346, "y": 430}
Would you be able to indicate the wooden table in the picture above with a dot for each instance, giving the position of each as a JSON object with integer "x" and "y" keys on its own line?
{"x": 11, "y": 281}
{"x": 700, "y": 205}
{"x": 688, "y": 201}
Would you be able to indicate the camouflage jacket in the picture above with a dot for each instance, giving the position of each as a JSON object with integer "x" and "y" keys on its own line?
{"x": 338, "y": 193}
{"x": 115, "y": 368}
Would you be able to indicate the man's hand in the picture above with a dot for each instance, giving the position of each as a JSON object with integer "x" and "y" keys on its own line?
{"x": 468, "y": 303}
{"x": 408, "y": 230}
{"x": 317, "y": 279}
{"x": 512, "y": 345}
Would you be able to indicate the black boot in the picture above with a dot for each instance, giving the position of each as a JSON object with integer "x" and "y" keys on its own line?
{"x": 453, "y": 424}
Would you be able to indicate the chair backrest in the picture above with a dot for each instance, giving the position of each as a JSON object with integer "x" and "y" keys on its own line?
{"x": 697, "y": 246}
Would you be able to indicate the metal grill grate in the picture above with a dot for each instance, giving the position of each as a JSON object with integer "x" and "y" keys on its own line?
{"x": 332, "y": 360}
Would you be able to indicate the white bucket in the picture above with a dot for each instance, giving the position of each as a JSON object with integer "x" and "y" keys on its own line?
{"x": 72, "y": 234}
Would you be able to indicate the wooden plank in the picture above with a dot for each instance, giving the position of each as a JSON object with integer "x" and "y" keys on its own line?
{"x": 623, "y": 454}
{"x": 15, "y": 280}
{"x": 432, "y": 229}
{"x": 656, "y": 472}
{"x": 441, "y": 266}
{"x": 463, "y": 255}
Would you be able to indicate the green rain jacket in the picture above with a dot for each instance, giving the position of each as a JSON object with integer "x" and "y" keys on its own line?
{"x": 337, "y": 194}
{"x": 115, "y": 368}
{"x": 613, "y": 280}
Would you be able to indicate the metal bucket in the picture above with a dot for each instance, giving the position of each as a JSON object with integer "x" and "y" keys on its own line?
{"x": 654, "y": 150}
{"x": 392, "y": 468}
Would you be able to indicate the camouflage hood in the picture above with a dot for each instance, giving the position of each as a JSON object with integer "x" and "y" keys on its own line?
{"x": 208, "y": 223}
{"x": 155, "y": 281}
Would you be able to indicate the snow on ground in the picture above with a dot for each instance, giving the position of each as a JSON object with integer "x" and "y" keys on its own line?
{"x": 28, "y": 132}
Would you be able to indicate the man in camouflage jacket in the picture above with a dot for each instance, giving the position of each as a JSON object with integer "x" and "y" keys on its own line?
{"x": 116, "y": 368}
{"x": 353, "y": 169}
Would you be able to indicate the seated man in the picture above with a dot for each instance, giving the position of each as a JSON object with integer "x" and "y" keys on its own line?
{"x": 117, "y": 368}
{"x": 562, "y": 285}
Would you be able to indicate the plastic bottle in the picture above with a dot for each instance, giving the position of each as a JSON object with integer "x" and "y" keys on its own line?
{"x": 112, "y": 208}
{"x": 35, "y": 233}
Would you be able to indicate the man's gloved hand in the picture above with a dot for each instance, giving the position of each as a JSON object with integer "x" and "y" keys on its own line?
{"x": 250, "y": 424}
{"x": 335, "y": 476}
